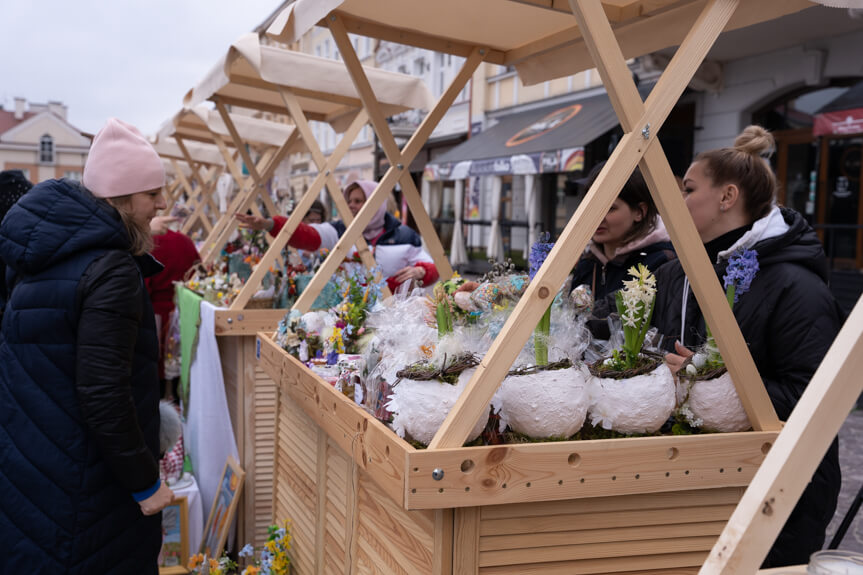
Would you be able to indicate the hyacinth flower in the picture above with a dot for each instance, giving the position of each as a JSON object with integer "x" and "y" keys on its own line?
{"x": 538, "y": 253}
{"x": 635, "y": 307}
{"x": 741, "y": 270}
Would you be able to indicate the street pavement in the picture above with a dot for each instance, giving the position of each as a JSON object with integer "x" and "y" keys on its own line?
{"x": 851, "y": 460}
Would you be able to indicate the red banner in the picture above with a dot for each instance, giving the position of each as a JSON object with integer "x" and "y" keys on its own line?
{"x": 839, "y": 123}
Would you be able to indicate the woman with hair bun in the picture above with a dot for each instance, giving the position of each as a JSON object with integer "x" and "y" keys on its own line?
{"x": 788, "y": 316}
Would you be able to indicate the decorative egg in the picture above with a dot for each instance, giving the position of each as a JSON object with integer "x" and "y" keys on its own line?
{"x": 486, "y": 296}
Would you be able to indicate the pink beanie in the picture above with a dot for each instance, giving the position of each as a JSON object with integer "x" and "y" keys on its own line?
{"x": 122, "y": 162}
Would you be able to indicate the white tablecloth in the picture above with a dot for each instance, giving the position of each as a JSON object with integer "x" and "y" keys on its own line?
{"x": 208, "y": 435}
{"x": 196, "y": 512}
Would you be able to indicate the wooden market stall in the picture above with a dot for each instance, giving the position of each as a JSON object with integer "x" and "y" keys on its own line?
{"x": 361, "y": 500}
{"x": 258, "y": 77}
{"x": 187, "y": 162}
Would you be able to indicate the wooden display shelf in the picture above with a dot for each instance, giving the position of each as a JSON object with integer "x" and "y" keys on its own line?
{"x": 358, "y": 494}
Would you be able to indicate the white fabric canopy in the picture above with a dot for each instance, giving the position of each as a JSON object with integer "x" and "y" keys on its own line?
{"x": 251, "y": 74}
{"x": 197, "y": 123}
{"x": 458, "y": 252}
{"x": 494, "y": 249}
{"x": 202, "y": 153}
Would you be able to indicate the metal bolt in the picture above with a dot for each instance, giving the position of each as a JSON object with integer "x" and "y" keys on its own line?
{"x": 327, "y": 173}
{"x": 437, "y": 474}
{"x": 240, "y": 317}
{"x": 645, "y": 132}
{"x": 400, "y": 166}
{"x": 230, "y": 320}
{"x": 482, "y": 52}
{"x": 333, "y": 18}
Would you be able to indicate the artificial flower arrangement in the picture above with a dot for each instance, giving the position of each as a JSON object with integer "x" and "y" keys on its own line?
{"x": 546, "y": 399}
{"x": 424, "y": 391}
{"x": 633, "y": 391}
{"x": 244, "y": 251}
{"x": 709, "y": 399}
{"x": 215, "y": 284}
{"x": 273, "y": 559}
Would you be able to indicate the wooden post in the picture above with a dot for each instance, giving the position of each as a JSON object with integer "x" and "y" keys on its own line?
{"x": 635, "y": 116}
{"x": 391, "y": 149}
{"x": 281, "y": 240}
{"x": 393, "y": 174}
{"x": 629, "y": 151}
{"x": 795, "y": 455}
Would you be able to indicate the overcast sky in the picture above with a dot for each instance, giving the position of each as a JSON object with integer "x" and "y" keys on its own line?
{"x": 133, "y": 59}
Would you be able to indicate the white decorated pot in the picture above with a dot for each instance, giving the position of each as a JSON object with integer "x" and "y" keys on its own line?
{"x": 714, "y": 405}
{"x": 640, "y": 404}
{"x": 420, "y": 407}
{"x": 545, "y": 404}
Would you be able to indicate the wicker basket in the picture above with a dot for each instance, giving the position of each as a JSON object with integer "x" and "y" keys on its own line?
{"x": 260, "y": 303}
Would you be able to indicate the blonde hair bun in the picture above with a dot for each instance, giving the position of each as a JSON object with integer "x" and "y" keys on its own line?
{"x": 755, "y": 140}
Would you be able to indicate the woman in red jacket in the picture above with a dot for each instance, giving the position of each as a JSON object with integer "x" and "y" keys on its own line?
{"x": 396, "y": 247}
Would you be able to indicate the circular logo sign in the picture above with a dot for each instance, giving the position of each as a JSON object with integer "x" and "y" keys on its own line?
{"x": 544, "y": 125}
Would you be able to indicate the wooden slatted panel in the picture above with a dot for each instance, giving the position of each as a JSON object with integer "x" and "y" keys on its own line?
{"x": 397, "y": 541}
{"x": 263, "y": 425}
{"x": 230, "y": 352}
{"x": 338, "y": 492}
{"x": 632, "y": 534}
{"x": 294, "y": 486}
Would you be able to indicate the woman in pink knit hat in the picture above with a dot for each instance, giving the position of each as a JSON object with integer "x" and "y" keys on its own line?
{"x": 79, "y": 387}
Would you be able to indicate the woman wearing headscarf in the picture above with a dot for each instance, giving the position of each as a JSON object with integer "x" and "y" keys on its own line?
{"x": 13, "y": 185}
{"x": 79, "y": 387}
{"x": 788, "y": 316}
{"x": 396, "y": 247}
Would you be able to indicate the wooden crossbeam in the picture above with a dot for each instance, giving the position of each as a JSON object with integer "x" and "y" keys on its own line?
{"x": 328, "y": 167}
{"x": 394, "y": 172}
{"x": 227, "y": 223}
{"x": 629, "y": 151}
{"x": 281, "y": 240}
{"x": 791, "y": 462}
{"x": 391, "y": 149}
{"x": 663, "y": 187}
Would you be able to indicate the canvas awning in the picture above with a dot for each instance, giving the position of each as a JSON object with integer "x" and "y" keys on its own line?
{"x": 251, "y": 73}
{"x": 200, "y": 152}
{"x": 200, "y": 123}
{"x": 539, "y": 37}
{"x": 546, "y": 139}
{"x": 841, "y": 116}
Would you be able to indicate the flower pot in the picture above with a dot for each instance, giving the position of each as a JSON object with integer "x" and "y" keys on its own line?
{"x": 713, "y": 404}
{"x": 639, "y": 404}
{"x": 420, "y": 407}
{"x": 551, "y": 403}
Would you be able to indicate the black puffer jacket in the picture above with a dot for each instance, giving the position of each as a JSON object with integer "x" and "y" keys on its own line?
{"x": 79, "y": 390}
{"x": 789, "y": 319}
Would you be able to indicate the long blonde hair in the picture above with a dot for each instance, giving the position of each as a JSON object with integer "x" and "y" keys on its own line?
{"x": 142, "y": 239}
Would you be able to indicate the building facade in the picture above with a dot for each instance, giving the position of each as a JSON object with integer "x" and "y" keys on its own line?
{"x": 38, "y": 139}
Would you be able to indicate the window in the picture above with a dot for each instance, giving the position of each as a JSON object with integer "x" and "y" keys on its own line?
{"x": 419, "y": 66}
{"x": 46, "y": 149}
{"x": 72, "y": 175}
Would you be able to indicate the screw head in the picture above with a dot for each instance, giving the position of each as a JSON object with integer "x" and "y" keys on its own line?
{"x": 400, "y": 166}
{"x": 645, "y": 132}
{"x": 230, "y": 320}
{"x": 437, "y": 474}
{"x": 240, "y": 317}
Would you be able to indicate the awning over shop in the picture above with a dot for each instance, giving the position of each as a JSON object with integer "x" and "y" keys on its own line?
{"x": 842, "y": 116}
{"x": 547, "y": 139}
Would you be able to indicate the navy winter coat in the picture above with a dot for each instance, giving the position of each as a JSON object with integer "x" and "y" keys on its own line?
{"x": 789, "y": 319}
{"x": 79, "y": 390}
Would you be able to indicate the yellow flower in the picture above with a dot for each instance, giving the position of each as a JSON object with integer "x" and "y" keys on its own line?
{"x": 251, "y": 570}
{"x": 195, "y": 560}
{"x": 214, "y": 564}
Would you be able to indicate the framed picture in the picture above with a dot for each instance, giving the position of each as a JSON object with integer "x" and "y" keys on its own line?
{"x": 223, "y": 509}
{"x": 174, "y": 555}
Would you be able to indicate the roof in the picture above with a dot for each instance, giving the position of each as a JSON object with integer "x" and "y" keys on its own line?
{"x": 850, "y": 99}
{"x": 8, "y": 121}
{"x": 251, "y": 75}
{"x": 540, "y": 38}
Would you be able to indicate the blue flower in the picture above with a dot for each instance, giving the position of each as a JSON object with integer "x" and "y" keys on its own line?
{"x": 247, "y": 551}
{"x": 538, "y": 252}
{"x": 741, "y": 270}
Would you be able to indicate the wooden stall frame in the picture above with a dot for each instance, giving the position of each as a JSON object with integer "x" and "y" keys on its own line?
{"x": 395, "y": 171}
{"x": 202, "y": 197}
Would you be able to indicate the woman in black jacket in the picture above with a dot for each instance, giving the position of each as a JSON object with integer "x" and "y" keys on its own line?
{"x": 631, "y": 233}
{"x": 788, "y": 317}
{"x": 79, "y": 386}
